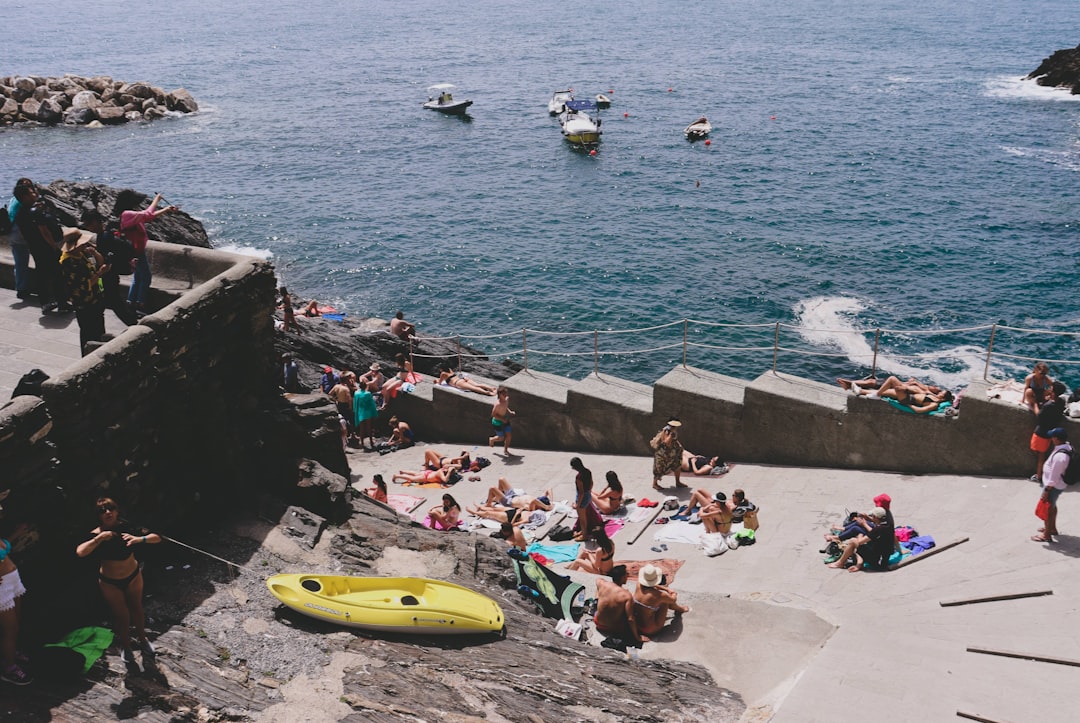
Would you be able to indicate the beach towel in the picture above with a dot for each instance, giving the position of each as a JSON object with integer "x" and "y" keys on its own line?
{"x": 939, "y": 412}
{"x": 669, "y": 567}
{"x": 639, "y": 514}
{"x": 426, "y": 485}
{"x": 613, "y": 526}
{"x": 555, "y": 553}
{"x": 679, "y": 531}
{"x": 89, "y": 642}
{"x": 334, "y": 317}
{"x": 404, "y": 504}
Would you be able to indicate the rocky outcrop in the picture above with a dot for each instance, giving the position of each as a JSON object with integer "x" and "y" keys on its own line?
{"x": 75, "y": 100}
{"x": 71, "y": 200}
{"x": 1060, "y": 70}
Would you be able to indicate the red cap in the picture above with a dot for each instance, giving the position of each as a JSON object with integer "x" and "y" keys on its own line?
{"x": 883, "y": 500}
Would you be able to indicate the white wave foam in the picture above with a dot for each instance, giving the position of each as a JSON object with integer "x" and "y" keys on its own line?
{"x": 1066, "y": 159}
{"x": 1019, "y": 87}
{"x": 831, "y": 322}
{"x": 245, "y": 250}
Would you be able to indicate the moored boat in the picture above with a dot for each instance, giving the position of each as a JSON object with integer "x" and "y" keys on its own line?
{"x": 557, "y": 104}
{"x": 441, "y": 98}
{"x": 701, "y": 128}
{"x": 602, "y": 101}
{"x": 578, "y": 127}
{"x": 389, "y": 604}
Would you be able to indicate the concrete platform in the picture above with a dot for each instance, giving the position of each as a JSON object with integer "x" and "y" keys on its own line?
{"x": 801, "y": 642}
{"x": 29, "y": 340}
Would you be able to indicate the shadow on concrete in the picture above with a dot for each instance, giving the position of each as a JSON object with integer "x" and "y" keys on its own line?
{"x": 1068, "y": 545}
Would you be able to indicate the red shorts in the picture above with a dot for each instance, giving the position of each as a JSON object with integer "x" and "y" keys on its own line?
{"x": 1040, "y": 444}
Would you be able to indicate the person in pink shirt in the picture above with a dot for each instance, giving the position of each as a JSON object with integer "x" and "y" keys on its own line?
{"x": 133, "y": 228}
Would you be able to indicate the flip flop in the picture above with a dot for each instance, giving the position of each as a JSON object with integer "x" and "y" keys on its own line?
{"x": 656, "y": 549}
{"x": 1039, "y": 538}
{"x": 660, "y": 521}
{"x": 663, "y": 547}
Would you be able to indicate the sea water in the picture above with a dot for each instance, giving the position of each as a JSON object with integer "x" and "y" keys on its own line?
{"x": 872, "y": 166}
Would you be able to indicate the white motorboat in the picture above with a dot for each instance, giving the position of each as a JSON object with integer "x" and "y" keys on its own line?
{"x": 701, "y": 128}
{"x": 578, "y": 127}
{"x": 557, "y": 104}
{"x": 602, "y": 101}
{"x": 441, "y": 98}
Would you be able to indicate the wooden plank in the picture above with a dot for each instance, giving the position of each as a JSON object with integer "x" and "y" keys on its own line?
{"x": 977, "y": 717}
{"x": 994, "y": 598}
{"x": 1026, "y": 656}
{"x": 929, "y": 553}
{"x": 659, "y": 509}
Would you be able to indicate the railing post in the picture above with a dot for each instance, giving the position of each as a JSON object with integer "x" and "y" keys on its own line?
{"x": 684, "y": 323}
{"x": 989, "y": 351}
{"x": 458, "y": 352}
{"x": 775, "y": 346}
{"x": 873, "y": 365}
{"x": 524, "y": 350}
{"x": 596, "y": 351}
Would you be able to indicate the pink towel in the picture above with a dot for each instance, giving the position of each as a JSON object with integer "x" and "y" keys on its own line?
{"x": 613, "y": 526}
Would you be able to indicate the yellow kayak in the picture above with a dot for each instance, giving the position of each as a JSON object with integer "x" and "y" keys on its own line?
{"x": 389, "y": 604}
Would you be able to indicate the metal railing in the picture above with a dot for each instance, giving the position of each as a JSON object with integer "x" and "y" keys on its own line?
{"x": 697, "y": 339}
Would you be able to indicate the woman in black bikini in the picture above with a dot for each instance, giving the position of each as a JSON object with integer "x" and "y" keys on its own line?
{"x": 120, "y": 576}
{"x": 598, "y": 561}
{"x": 611, "y": 498}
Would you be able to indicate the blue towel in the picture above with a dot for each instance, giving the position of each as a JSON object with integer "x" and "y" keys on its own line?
{"x": 555, "y": 553}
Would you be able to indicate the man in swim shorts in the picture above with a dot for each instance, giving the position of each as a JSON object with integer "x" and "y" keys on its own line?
{"x": 614, "y": 615}
{"x": 500, "y": 420}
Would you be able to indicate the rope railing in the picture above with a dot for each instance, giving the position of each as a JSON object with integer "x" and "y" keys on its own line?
{"x": 692, "y": 331}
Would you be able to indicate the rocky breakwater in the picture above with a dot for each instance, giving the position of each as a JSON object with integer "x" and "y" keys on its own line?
{"x": 1060, "y": 70}
{"x": 75, "y": 100}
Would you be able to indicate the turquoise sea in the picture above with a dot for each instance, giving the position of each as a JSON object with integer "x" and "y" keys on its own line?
{"x": 872, "y": 165}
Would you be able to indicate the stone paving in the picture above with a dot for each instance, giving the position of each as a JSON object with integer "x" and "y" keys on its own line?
{"x": 30, "y": 340}
{"x": 802, "y": 642}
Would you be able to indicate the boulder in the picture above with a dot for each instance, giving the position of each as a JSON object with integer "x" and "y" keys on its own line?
{"x": 9, "y": 108}
{"x": 99, "y": 83}
{"x": 25, "y": 85}
{"x": 85, "y": 99}
{"x": 30, "y": 107}
{"x": 138, "y": 90}
{"x": 154, "y": 113}
{"x": 147, "y": 104}
{"x": 323, "y": 492}
{"x": 125, "y": 99}
{"x": 133, "y": 116}
{"x": 110, "y": 115}
{"x": 79, "y": 116}
{"x": 50, "y": 111}
{"x": 41, "y": 93}
{"x": 181, "y": 100}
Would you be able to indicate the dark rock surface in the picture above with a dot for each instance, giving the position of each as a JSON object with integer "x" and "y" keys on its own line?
{"x": 355, "y": 343}
{"x": 72, "y": 199}
{"x": 1060, "y": 70}
{"x": 75, "y": 100}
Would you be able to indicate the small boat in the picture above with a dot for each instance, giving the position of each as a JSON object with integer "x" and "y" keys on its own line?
{"x": 441, "y": 98}
{"x": 578, "y": 127}
{"x": 557, "y": 104}
{"x": 389, "y": 604}
{"x": 701, "y": 128}
{"x": 602, "y": 101}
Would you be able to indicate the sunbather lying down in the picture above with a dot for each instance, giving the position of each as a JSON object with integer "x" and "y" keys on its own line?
{"x": 918, "y": 397}
{"x": 701, "y": 465}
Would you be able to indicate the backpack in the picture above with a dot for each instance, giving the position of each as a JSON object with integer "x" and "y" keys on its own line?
{"x": 116, "y": 249}
{"x": 1072, "y": 471}
{"x": 560, "y": 533}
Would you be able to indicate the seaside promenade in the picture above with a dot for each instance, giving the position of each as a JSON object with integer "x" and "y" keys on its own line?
{"x": 801, "y": 642}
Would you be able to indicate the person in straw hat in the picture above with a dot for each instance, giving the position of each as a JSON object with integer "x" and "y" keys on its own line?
{"x": 82, "y": 268}
{"x": 667, "y": 453}
{"x": 653, "y": 601}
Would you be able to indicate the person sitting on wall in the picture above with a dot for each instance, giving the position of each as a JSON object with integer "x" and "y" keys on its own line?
{"x": 1037, "y": 386}
{"x": 458, "y": 380}
{"x": 401, "y": 328}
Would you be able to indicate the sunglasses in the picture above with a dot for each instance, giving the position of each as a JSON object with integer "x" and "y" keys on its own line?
{"x": 106, "y": 508}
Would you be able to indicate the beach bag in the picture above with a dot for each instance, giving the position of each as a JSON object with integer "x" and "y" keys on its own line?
{"x": 745, "y": 537}
{"x": 568, "y": 629}
{"x": 560, "y": 533}
{"x": 714, "y": 544}
{"x": 1042, "y": 510}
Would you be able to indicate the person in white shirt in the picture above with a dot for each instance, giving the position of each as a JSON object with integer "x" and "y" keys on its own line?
{"x": 1053, "y": 479}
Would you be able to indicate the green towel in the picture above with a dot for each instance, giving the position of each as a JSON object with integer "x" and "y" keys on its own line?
{"x": 89, "y": 642}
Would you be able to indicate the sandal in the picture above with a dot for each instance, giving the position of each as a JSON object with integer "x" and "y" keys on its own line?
{"x": 1040, "y": 538}
{"x": 660, "y": 521}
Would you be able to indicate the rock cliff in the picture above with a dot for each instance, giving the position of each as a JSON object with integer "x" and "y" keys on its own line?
{"x": 1060, "y": 70}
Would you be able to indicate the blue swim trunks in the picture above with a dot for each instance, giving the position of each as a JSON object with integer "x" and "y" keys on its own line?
{"x": 501, "y": 428}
